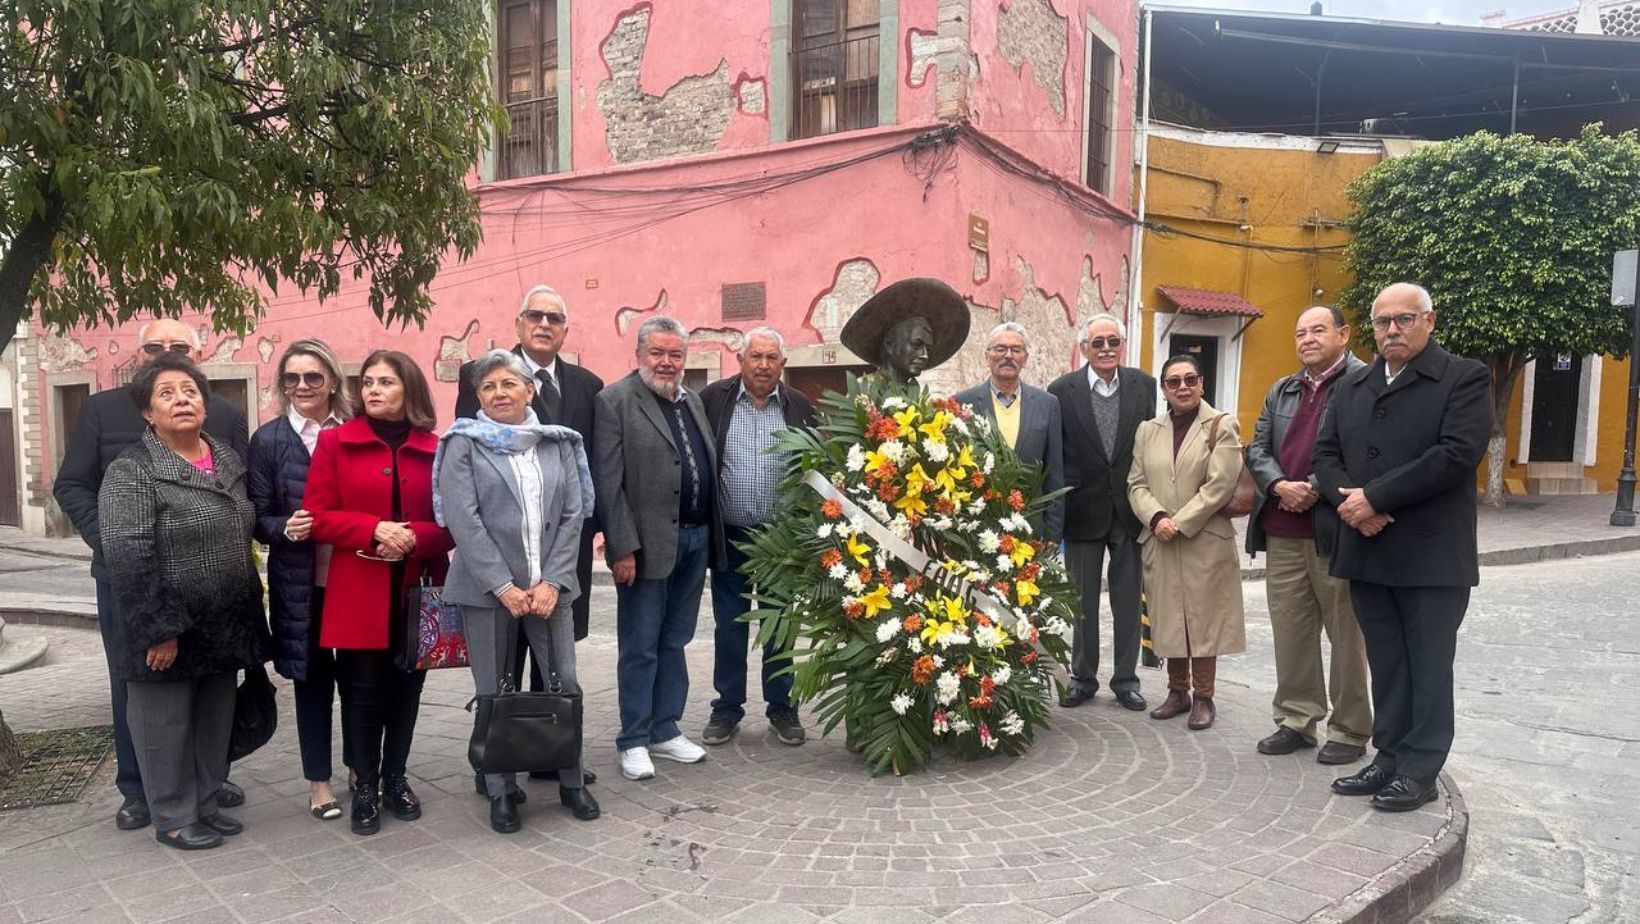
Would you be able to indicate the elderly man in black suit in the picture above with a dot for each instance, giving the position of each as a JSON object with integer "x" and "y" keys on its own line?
{"x": 1026, "y": 416}
{"x": 1102, "y": 406}
{"x": 1397, "y": 455}
{"x": 109, "y": 424}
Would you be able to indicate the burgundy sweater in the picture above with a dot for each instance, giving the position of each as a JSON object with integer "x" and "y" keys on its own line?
{"x": 1294, "y": 456}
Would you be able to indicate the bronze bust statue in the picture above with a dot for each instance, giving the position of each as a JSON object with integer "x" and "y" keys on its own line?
{"x": 908, "y": 328}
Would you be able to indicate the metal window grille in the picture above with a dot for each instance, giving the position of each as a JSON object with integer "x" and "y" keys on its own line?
{"x": 528, "y": 45}
{"x": 835, "y": 64}
{"x": 1101, "y": 78}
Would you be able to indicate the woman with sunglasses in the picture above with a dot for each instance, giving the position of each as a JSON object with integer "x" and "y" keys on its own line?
{"x": 370, "y": 492}
{"x": 1186, "y": 461}
{"x": 314, "y": 396}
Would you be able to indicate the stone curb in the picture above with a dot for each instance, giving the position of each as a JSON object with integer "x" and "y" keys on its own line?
{"x": 1407, "y": 888}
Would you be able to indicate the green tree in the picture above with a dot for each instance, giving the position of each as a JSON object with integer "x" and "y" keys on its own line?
{"x": 163, "y": 155}
{"x": 1513, "y": 237}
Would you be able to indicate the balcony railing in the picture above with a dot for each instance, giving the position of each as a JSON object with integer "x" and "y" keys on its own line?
{"x": 836, "y": 87}
{"x": 530, "y": 147}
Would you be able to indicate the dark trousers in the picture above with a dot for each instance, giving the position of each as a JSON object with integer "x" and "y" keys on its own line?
{"x": 581, "y": 610}
{"x": 654, "y": 621}
{"x": 127, "y": 776}
{"x": 1086, "y": 563}
{"x": 315, "y": 703}
{"x": 730, "y": 638}
{"x": 181, "y": 730}
{"x": 1412, "y": 639}
{"x": 379, "y": 708}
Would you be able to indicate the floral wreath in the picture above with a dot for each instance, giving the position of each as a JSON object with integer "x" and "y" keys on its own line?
{"x": 960, "y": 652}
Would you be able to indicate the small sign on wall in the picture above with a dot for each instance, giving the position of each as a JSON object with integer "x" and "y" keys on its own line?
{"x": 1563, "y": 362}
{"x": 979, "y": 233}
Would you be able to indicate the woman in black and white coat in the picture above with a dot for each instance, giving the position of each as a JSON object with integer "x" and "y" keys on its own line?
{"x": 176, "y": 533}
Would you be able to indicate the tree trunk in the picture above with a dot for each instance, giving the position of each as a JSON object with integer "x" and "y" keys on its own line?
{"x": 29, "y": 251}
{"x": 1504, "y": 370}
{"x": 11, "y": 753}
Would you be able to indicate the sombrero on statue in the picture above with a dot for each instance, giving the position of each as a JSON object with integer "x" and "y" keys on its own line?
{"x": 943, "y": 306}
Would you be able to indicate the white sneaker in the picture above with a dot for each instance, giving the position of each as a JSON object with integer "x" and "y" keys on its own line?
{"x": 636, "y": 765}
{"x": 680, "y": 749}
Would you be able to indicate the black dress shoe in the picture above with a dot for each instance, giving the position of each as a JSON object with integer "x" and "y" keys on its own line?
{"x": 222, "y": 824}
{"x": 1284, "y": 741}
{"x": 367, "y": 809}
{"x": 1075, "y": 697}
{"x": 190, "y": 837}
{"x": 504, "y": 815}
{"x": 230, "y": 795}
{"x": 1404, "y": 794}
{"x": 1131, "y": 700}
{"x": 400, "y": 799}
{"x": 133, "y": 814}
{"x": 1337, "y": 752}
{"x": 1365, "y": 782}
{"x": 513, "y": 792}
{"x": 580, "y": 802}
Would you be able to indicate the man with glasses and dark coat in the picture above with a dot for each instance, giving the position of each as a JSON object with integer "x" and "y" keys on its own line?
{"x": 1396, "y": 456}
{"x": 1027, "y": 417}
{"x": 1102, "y": 406}
{"x": 108, "y": 424}
{"x": 564, "y": 395}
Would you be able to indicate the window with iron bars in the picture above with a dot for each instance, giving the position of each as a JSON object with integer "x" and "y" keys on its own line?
{"x": 834, "y": 63}
{"x": 527, "y": 43}
{"x": 1100, "y": 126}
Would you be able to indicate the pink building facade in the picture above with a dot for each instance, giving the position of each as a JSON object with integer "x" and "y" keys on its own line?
{"x": 766, "y": 162}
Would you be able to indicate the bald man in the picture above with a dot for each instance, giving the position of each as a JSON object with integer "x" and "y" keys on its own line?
{"x": 108, "y": 423}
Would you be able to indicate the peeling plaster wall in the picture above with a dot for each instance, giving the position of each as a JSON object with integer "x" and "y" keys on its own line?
{"x": 1031, "y": 35}
{"x": 686, "y": 118}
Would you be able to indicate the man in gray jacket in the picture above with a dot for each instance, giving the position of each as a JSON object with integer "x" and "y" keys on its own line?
{"x": 1027, "y": 417}
{"x": 655, "y": 468}
{"x": 1297, "y": 534}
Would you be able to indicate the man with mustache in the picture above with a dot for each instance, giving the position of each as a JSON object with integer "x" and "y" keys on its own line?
{"x": 1102, "y": 406}
{"x": 655, "y": 469}
{"x": 1026, "y": 416}
{"x": 1396, "y": 456}
{"x": 108, "y": 424}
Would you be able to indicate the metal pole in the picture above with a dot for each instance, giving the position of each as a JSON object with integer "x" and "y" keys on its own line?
{"x": 1136, "y": 265}
{"x": 1623, "y": 512}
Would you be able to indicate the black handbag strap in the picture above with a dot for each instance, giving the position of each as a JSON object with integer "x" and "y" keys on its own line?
{"x": 504, "y": 683}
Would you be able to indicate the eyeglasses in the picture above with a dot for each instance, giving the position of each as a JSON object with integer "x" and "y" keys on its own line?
{"x": 310, "y": 379}
{"x": 536, "y": 317}
{"x": 1188, "y": 380}
{"x": 1099, "y": 343}
{"x": 175, "y": 346}
{"x": 1402, "y": 321}
{"x": 1005, "y": 350}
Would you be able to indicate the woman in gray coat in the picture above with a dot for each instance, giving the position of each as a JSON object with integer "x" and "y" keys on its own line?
{"x": 513, "y": 493}
{"x": 176, "y": 533}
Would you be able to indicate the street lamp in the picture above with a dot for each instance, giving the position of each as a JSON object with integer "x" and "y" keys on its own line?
{"x": 1626, "y": 267}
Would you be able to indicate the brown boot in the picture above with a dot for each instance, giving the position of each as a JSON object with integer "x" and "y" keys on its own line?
{"x": 1201, "y": 714}
{"x": 1176, "y": 704}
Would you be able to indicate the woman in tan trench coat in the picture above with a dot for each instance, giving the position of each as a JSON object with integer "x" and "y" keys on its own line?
{"x": 1177, "y": 485}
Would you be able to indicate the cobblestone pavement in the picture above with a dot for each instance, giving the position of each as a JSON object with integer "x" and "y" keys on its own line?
{"x": 1112, "y": 817}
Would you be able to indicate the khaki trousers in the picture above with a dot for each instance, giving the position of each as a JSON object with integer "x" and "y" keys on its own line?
{"x": 1304, "y": 599}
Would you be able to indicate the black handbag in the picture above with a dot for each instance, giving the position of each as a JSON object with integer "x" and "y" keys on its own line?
{"x": 515, "y": 731}
{"x": 255, "y": 714}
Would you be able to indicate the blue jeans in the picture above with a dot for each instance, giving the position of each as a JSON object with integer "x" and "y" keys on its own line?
{"x": 730, "y": 638}
{"x": 654, "y": 620}
{"x": 127, "y": 777}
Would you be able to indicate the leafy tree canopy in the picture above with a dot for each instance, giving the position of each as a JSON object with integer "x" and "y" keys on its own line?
{"x": 162, "y": 155}
{"x": 1512, "y": 236}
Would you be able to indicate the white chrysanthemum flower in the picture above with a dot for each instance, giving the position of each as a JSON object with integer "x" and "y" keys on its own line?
{"x": 901, "y": 526}
{"x": 893, "y": 450}
{"x": 989, "y": 542}
{"x": 960, "y": 425}
{"x": 894, "y": 403}
{"x": 953, "y": 639}
{"x": 853, "y": 584}
{"x": 982, "y": 424}
{"x": 961, "y": 725}
{"x": 914, "y": 645}
{"x": 947, "y": 687}
{"x": 1012, "y": 724}
{"x": 837, "y": 572}
{"x": 898, "y": 591}
{"x": 856, "y": 524}
{"x": 887, "y": 657}
{"x": 969, "y": 565}
{"x": 976, "y": 506}
{"x": 990, "y": 462}
{"x": 824, "y": 532}
{"x": 937, "y": 450}
{"x": 900, "y": 703}
{"x": 939, "y": 523}
{"x": 1057, "y": 626}
{"x": 981, "y": 575}
{"x": 837, "y": 480}
{"x": 1002, "y": 675}
{"x": 887, "y": 629}
{"x": 878, "y": 509}
{"x": 856, "y": 458}
{"x": 1005, "y": 563}
{"x": 988, "y": 637}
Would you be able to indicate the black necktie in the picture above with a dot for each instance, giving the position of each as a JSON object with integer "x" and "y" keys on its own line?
{"x": 550, "y": 398}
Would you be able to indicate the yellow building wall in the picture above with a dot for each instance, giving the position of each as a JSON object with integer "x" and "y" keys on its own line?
{"x": 1278, "y": 190}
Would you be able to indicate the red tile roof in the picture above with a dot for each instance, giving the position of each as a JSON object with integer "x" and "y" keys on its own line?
{"x": 1617, "y": 17}
{"x": 1208, "y": 301}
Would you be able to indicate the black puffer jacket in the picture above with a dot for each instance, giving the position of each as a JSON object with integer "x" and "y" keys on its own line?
{"x": 177, "y": 542}
{"x": 278, "y": 476}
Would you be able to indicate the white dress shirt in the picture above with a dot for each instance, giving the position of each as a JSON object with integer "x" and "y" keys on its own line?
{"x": 1098, "y": 384}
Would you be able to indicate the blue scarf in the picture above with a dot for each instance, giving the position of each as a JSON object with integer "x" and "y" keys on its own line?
{"x": 512, "y": 439}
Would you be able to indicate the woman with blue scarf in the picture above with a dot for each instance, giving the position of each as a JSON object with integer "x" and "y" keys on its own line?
{"x": 513, "y": 493}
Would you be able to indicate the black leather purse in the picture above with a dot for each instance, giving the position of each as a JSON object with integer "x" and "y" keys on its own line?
{"x": 515, "y": 731}
{"x": 255, "y": 714}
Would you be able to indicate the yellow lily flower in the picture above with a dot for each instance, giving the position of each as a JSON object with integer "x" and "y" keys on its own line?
{"x": 916, "y": 480}
{"x": 858, "y": 550}
{"x": 1027, "y": 591}
{"x": 950, "y": 609}
{"x": 876, "y": 601}
{"x": 935, "y": 428}
{"x": 1022, "y": 553}
{"x": 911, "y": 504}
{"x": 965, "y": 461}
{"x": 875, "y": 461}
{"x": 907, "y": 419}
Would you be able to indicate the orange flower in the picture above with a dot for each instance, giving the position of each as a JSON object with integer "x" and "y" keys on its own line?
{"x": 854, "y": 610}
{"x": 830, "y": 558}
{"x": 977, "y": 480}
{"x": 923, "y": 670}
{"x": 1016, "y": 500}
{"x": 991, "y": 494}
{"x": 913, "y": 583}
{"x": 882, "y": 428}
{"x": 1006, "y": 542}
{"x": 982, "y": 701}
{"x": 888, "y": 492}
{"x": 981, "y": 619}
{"x": 1028, "y": 657}
{"x": 885, "y": 575}
{"x": 1001, "y": 587}
{"x": 1031, "y": 571}
{"x": 831, "y": 510}
{"x": 865, "y": 575}
{"x": 913, "y": 623}
{"x": 945, "y": 505}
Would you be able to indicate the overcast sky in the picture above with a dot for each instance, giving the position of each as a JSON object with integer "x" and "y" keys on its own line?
{"x": 1451, "y": 12}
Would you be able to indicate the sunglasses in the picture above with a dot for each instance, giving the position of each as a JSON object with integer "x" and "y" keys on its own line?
{"x": 310, "y": 379}
{"x": 536, "y": 317}
{"x": 154, "y": 349}
{"x": 1099, "y": 343}
{"x": 1189, "y": 380}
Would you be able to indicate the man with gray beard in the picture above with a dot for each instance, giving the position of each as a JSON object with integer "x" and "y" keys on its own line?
{"x": 655, "y": 469}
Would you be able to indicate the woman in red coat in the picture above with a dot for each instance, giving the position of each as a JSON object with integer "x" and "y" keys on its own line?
{"x": 370, "y": 490}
